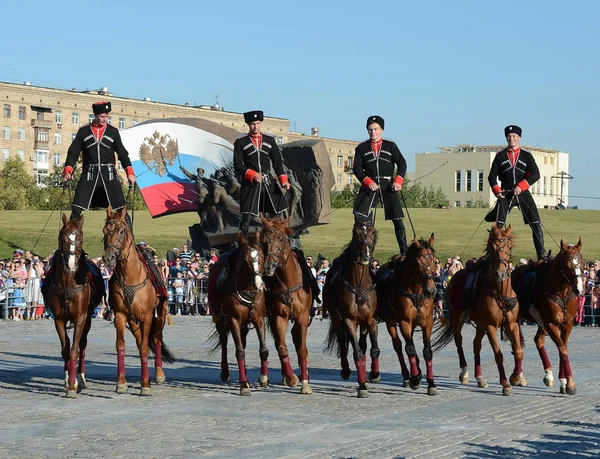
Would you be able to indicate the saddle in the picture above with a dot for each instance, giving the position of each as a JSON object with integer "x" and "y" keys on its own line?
{"x": 153, "y": 274}
{"x": 217, "y": 277}
{"x": 473, "y": 271}
{"x": 527, "y": 281}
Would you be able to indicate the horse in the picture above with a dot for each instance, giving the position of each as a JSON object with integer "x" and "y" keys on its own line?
{"x": 492, "y": 305}
{"x": 553, "y": 298}
{"x": 405, "y": 299}
{"x": 135, "y": 302}
{"x": 239, "y": 303}
{"x": 351, "y": 300}
{"x": 289, "y": 297}
{"x": 72, "y": 296}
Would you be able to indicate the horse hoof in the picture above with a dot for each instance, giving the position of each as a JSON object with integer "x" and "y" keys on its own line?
{"x": 414, "y": 382}
{"x": 563, "y": 390}
{"x": 432, "y": 390}
{"x": 523, "y": 381}
{"x": 305, "y": 389}
{"x": 346, "y": 373}
{"x": 481, "y": 382}
{"x": 291, "y": 381}
{"x": 464, "y": 376}
{"x": 121, "y": 388}
{"x": 225, "y": 376}
{"x": 507, "y": 391}
{"x": 548, "y": 382}
{"x": 160, "y": 378}
{"x": 145, "y": 392}
{"x": 81, "y": 382}
{"x": 263, "y": 380}
{"x": 245, "y": 391}
{"x": 71, "y": 394}
{"x": 374, "y": 377}
{"x": 571, "y": 390}
{"x": 405, "y": 383}
{"x": 363, "y": 393}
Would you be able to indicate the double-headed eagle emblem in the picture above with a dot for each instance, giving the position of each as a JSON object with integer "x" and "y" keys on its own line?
{"x": 159, "y": 151}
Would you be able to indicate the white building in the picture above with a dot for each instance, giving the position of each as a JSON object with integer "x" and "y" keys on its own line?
{"x": 462, "y": 172}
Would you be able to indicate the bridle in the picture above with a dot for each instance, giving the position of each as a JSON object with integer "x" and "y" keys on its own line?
{"x": 66, "y": 256}
{"x": 502, "y": 246}
{"x": 363, "y": 241}
{"x": 275, "y": 242}
{"x": 110, "y": 233}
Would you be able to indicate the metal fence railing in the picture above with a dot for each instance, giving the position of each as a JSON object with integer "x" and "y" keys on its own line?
{"x": 22, "y": 298}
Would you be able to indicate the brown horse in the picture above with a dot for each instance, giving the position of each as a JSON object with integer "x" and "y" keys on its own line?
{"x": 553, "y": 298}
{"x": 351, "y": 300}
{"x": 493, "y": 305}
{"x": 406, "y": 296}
{"x": 72, "y": 297}
{"x": 134, "y": 301}
{"x": 289, "y": 297}
{"x": 239, "y": 304}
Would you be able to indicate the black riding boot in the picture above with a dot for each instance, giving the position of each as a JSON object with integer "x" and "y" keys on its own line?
{"x": 538, "y": 240}
{"x": 75, "y": 213}
{"x": 400, "y": 236}
{"x": 245, "y": 223}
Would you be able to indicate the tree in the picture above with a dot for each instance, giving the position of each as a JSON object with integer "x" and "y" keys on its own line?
{"x": 17, "y": 187}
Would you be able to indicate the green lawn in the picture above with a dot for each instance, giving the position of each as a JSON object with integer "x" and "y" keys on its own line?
{"x": 452, "y": 227}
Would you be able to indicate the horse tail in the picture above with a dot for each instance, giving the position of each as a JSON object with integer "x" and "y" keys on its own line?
{"x": 166, "y": 353}
{"x": 443, "y": 333}
{"x": 331, "y": 343}
{"x": 214, "y": 340}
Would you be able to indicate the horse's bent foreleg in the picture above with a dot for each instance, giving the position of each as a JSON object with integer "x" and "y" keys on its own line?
{"x": 81, "y": 382}
{"x": 397, "y": 343}
{"x": 374, "y": 375}
{"x": 539, "y": 340}
{"x": 513, "y": 331}
{"x": 263, "y": 352}
{"x": 564, "y": 369}
{"x": 350, "y": 326}
{"x": 279, "y": 327}
{"x": 240, "y": 354}
{"x": 65, "y": 345}
{"x": 78, "y": 327}
{"x": 457, "y": 325}
{"x": 493, "y": 338}
{"x": 407, "y": 333}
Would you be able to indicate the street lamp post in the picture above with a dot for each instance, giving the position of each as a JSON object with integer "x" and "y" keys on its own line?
{"x": 562, "y": 175}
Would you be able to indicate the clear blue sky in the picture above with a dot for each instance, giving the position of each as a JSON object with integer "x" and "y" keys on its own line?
{"x": 439, "y": 72}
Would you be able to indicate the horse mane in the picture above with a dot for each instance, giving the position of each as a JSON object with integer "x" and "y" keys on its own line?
{"x": 280, "y": 225}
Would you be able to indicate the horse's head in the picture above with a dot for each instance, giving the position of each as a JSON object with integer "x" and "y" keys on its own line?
{"x": 117, "y": 236}
{"x": 420, "y": 256}
{"x": 364, "y": 239}
{"x": 571, "y": 264}
{"x": 276, "y": 243}
{"x": 499, "y": 250}
{"x": 252, "y": 258}
{"x": 70, "y": 242}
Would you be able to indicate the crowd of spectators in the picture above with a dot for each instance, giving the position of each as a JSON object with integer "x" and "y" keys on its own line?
{"x": 185, "y": 273}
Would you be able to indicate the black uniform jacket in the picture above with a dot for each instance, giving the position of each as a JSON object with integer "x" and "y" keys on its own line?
{"x": 99, "y": 184}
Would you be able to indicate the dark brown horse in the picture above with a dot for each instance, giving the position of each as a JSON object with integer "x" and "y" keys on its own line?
{"x": 553, "y": 299}
{"x": 406, "y": 296}
{"x": 350, "y": 297}
{"x": 289, "y": 297}
{"x": 72, "y": 296}
{"x": 134, "y": 301}
{"x": 239, "y": 303}
{"x": 492, "y": 305}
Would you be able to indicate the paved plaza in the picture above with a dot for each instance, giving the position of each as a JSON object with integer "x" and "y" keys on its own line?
{"x": 194, "y": 414}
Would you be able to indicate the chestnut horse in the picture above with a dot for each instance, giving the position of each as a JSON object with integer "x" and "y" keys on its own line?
{"x": 554, "y": 297}
{"x": 351, "y": 300}
{"x": 406, "y": 295}
{"x": 134, "y": 301}
{"x": 492, "y": 305}
{"x": 239, "y": 304}
{"x": 289, "y": 297}
{"x": 72, "y": 297}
